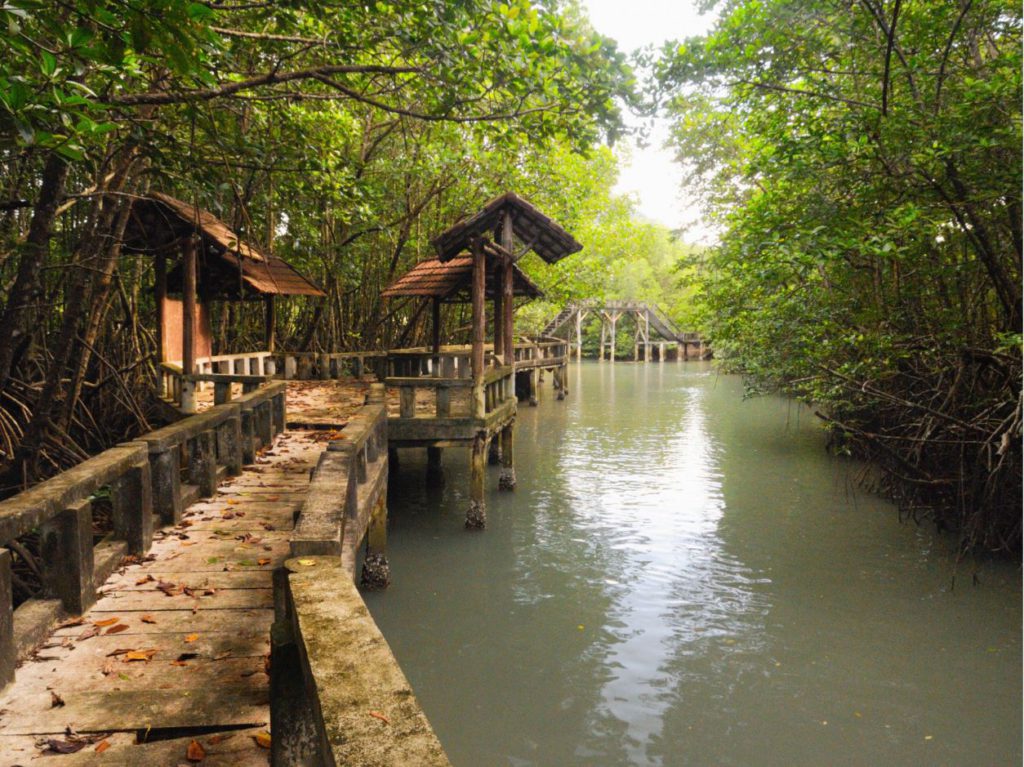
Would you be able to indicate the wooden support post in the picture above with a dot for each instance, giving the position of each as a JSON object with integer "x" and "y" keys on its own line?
{"x": 248, "y": 436}
{"x": 279, "y": 405}
{"x": 435, "y": 474}
{"x": 435, "y": 325}
{"x": 221, "y": 392}
{"x": 407, "y": 401}
{"x": 131, "y": 498}
{"x": 479, "y": 286}
{"x": 579, "y": 335}
{"x": 600, "y": 349}
{"x": 8, "y": 652}
{"x": 508, "y": 333}
{"x": 494, "y": 451}
{"x": 202, "y": 463}
{"x": 160, "y": 297}
{"x": 229, "y": 445}
{"x": 611, "y": 354}
{"x": 661, "y": 351}
{"x": 188, "y": 323}
{"x": 270, "y": 323}
{"x": 165, "y": 470}
{"x": 534, "y": 376}
{"x": 265, "y": 423}
{"x": 376, "y": 572}
{"x": 476, "y": 515}
{"x": 499, "y": 314}
{"x": 443, "y": 406}
{"x": 507, "y": 478}
{"x": 647, "y": 336}
{"x": 67, "y": 553}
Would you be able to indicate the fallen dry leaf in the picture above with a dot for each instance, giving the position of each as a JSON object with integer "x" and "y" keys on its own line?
{"x": 148, "y": 619}
{"x": 191, "y": 638}
{"x": 89, "y": 633}
{"x": 105, "y": 622}
{"x": 147, "y": 579}
{"x": 55, "y": 700}
{"x": 102, "y": 746}
{"x": 65, "y": 746}
{"x": 132, "y": 655}
{"x": 219, "y": 738}
{"x": 117, "y": 629}
{"x": 195, "y": 752}
{"x": 262, "y": 739}
{"x": 263, "y": 561}
{"x": 379, "y": 715}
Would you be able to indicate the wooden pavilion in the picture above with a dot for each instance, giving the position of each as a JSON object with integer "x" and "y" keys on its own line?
{"x": 198, "y": 257}
{"x": 476, "y": 261}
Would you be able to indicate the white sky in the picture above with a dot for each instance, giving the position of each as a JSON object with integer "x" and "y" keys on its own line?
{"x": 652, "y": 174}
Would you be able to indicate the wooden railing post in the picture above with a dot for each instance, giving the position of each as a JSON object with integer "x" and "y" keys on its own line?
{"x": 221, "y": 392}
{"x": 407, "y": 401}
{"x": 67, "y": 553}
{"x": 265, "y": 423}
{"x": 8, "y": 653}
{"x": 248, "y": 436}
{"x": 202, "y": 463}
{"x": 165, "y": 468}
{"x": 280, "y": 413}
{"x": 131, "y": 497}
{"x": 229, "y": 444}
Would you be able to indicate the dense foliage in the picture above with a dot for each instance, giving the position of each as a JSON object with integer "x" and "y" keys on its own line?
{"x": 864, "y": 159}
{"x": 341, "y": 136}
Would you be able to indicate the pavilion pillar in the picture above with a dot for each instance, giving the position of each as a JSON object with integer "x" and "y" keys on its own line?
{"x": 476, "y": 515}
{"x": 499, "y": 314}
{"x": 188, "y": 325}
{"x": 579, "y": 335}
{"x": 270, "y": 322}
{"x": 507, "y": 478}
{"x": 435, "y": 325}
{"x": 508, "y": 333}
{"x": 160, "y": 296}
{"x": 611, "y": 355}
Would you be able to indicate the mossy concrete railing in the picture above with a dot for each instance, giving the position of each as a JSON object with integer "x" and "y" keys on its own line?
{"x": 326, "y": 366}
{"x": 338, "y": 696}
{"x": 142, "y": 477}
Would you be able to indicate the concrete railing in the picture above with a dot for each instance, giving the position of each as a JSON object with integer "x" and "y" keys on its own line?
{"x": 143, "y": 476}
{"x": 308, "y": 366}
{"x": 337, "y": 693}
{"x": 347, "y": 496}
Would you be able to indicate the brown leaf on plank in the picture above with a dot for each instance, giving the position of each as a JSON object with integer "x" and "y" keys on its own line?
{"x": 136, "y": 655}
{"x": 147, "y": 579}
{"x": 105, "y": 622}
{"x": 148, "y": 619}
{"x": 55, "y": 700}
{"x": 262, "y": 739}
{"x": 102, "y": 746}
{"x": 89, "y": 633}
{"x": 191, "y": 638}
{"x": 195, "y": 752}
{"x": 116, "y": 629}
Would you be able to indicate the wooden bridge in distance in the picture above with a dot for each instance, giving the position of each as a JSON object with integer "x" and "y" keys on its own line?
{"x": 654, "y": 331}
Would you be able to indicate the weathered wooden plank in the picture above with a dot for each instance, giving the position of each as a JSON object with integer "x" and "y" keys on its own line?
{"x": 232, "y": 748}
{"x": 116, "y": 601}
{"x": 94, "y": 711}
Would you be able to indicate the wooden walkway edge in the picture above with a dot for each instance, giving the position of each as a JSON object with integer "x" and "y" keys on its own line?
{"x": 176, "y": 648}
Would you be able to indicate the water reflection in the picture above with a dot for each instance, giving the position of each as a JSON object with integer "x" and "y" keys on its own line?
{"x": 684, "y": 577}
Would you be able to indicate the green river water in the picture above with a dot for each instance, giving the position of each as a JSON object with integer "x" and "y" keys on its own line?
{"x": 685, "y": 577}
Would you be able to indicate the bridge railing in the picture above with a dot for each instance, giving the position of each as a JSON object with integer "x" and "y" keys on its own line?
{"x": 141, "y": 478}
{"x": 323, "y": 366}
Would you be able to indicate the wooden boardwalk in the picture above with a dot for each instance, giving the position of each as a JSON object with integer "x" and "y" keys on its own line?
{"x": 176, "y": 649}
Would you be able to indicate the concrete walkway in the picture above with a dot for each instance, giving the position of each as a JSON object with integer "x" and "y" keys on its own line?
{"x": 172, "y": 662}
